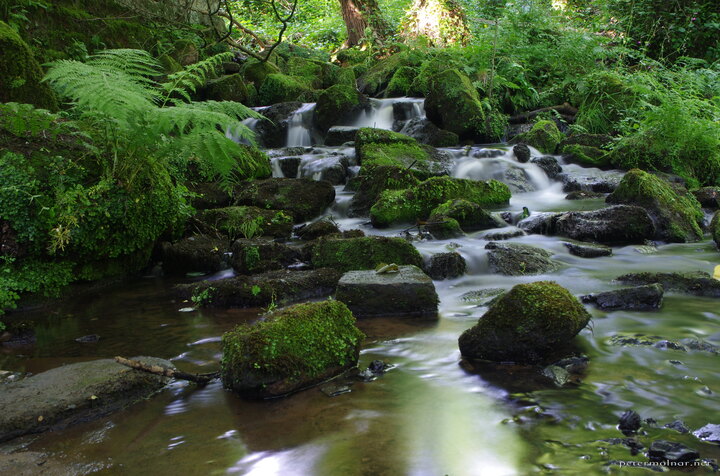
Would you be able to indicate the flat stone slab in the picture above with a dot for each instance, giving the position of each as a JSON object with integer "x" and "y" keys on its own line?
{"x": 408, "y": 292}
{"x": 588, "y": 250}
{"x": 72, "y": 394}
{"x": 640, "y": 298}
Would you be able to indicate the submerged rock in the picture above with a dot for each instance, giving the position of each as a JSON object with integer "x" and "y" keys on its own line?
{"x": 526, "y": 324}
{"x": 583, "y": 195}
{"x": 280, "y": 287}
{"x": 710, "y": 433}
{"x": 446, "y": 266}
{"x": 697, "y": 283}
{"x": 549, "y": 164}
{"x": 515, "y": 259}
{"x": 483, "y": 297}
{"x": 676, "y": 216}
{"x": 197, "y": 253}
{"x": 588, "y": 250}
{"x": 302, "y": 198}
{"x": 407, "y": 292}
{"x": 290, "y": 349}
{"x": 640, "y": 298}
{"x": 661, "y": 451}
{"x": 364, "y": 253}
{"x": 72, "y": 394}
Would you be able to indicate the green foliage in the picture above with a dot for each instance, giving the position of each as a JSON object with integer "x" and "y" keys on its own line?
{"x": 203, "y": 297}
{"x": 31, "y": 276}
{"x": 364, "y": 253}
{"x": 544, "y": 136}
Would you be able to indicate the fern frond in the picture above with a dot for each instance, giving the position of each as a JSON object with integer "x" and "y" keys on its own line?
{"x": 186, "y": 81}
{"x": 137, "y": 63}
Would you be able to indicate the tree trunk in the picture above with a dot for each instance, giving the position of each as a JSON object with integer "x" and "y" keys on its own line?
{"x": 359, "y": 15}
{"x": 441, "y": 22}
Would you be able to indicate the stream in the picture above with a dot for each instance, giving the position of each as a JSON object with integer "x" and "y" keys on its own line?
{"x": 425, "y": 416}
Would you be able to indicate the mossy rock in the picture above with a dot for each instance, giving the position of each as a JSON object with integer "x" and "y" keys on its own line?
{"x": 363, "y": 253}
{"x": 466, "y": 116}
{"x": 186, "y": 52}
{"x": 372, "y": 181}
{"x": 587, "y": 156}
{"x": 229, "y": 88}
{"x": 526, "y": 324}
{"x": 446, "y": 266}
{"x": 677, "y": 217}
{"x": 544, "y": 136}
{"x": 169, "y": 64}
{"x": 279, "y": 88}
{"x": 696, "y": 283}
{"x": 376, "y": 79}
{"x": 337, "y": 104}
{"x": 379, "y": 147}
{"x": 256, "y": 71}
{"x": 259, "y": 255}
{"x": 517, "y": 259}
{"x": 599, "y": 141}
{"x": 311, "y": 72}
{"x": 20, "y": 73}
{"x": 303, "y": 198}
{"x": 248, "y": 222}
{"x": 287, "y": 51}
{"x": 290, "y": 349}
{"x": 353, "y": 56}
{"x": 443, "y": 228}
{"x": 715, "y": 228}
{"x": 442, "y": 61}
{"x": 708, "y": 197}
{"x": 470, "y": 216}
{"x": 317, "y": 229}
{"x": 417, "y": 202}
{"x": 201, "y": 253}
{"x": 401, "y": 82}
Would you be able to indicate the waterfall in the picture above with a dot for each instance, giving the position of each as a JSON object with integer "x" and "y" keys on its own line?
{"x": 299, "y": 126}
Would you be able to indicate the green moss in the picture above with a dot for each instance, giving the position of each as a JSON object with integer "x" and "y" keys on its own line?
{"x": 378, "y": 147}
{"x": 373, "y": 180}
{"x": 229, "y": 88}
{"x": 526, "y": 323}
{"x": 440, "y": 62}
{"x": 353, "y": 56}
{"x": 376, "y": 79}
{"x": 715, "y": 228}
{"x": 587, "y": 156}
{"x": 294, "y": 345}
{"x": 364, "y": 253}
{"x": 443, "y": 228}
{"x": 416, "y": 203}
{"x": 676, "y": 216}
{"x": 20, "y": 73}
{"x": 169, "y": 64}
{"x": 282, "y": 88}
{"x": 544, "y": 136}
{"x": 256, "y": 71}
{"x": 334, "y": 104}
{"x": 470, "y": 216}
{"x": 245, "y": 222}
{"x": 401, "y": 82}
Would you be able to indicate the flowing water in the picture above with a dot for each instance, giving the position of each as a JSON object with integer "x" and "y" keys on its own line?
{"x": 427, "y": 415}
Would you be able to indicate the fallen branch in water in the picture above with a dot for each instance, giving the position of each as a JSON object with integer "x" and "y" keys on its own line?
{"x": 164, "y": 372}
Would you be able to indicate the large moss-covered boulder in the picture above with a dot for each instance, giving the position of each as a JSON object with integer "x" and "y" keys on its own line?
{"x": 290, "y": 349}
{"x": 417, "y": 202}
{"x": 303, "y": 198}
{"x": 715, "y": 228}
{"x": 336, "y": 105}
{"x": 247, "y": 222}
{"x": 230, "y": 88}
{"x": 586, "y": 156}
{"x": 469, "y": 215}
{"x": 256, "y": 71}
{"x": 526, "y": 324}
{"x": 544, "y": 136}
{"x": 372, "y": 181}
{"x": 677, "y": 216}
{"x": 283, "y": 88}
{"x": 376, "y": 79}
{"x": 364, "y": 253}
{"x": 453, "y": 104}
{"x": 401, "y": 82}
{"x": 20, "y": 73}
{"x": 379, "y": 147}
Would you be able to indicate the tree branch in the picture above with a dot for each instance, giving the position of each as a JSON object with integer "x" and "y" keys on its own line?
{"x": 171, "y": 373}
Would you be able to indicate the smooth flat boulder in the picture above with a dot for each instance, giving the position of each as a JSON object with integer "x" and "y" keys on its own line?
{"x": 640, "y": 298}
{"x": 588, "y": 250}
{"x": 621, "y": 224}
{"x": 364, "y": 252}
{"x": 407, "y": 292}
{"x": 515, "y": 259}
{"x": 697, "y": 283}
{"x": 73, "y": 393}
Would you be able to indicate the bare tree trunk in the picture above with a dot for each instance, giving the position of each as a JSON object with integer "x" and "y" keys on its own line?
{"x": 359, "y": 15}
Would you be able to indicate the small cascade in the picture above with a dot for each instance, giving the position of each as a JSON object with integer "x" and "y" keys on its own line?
{"x": 485, "y": 164}
{"x": 383, "y": 113}
{"x": 300, "y": 126}
{"x": 251, "y": 123}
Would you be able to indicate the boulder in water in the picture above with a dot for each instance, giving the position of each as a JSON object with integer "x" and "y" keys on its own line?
{"x": 522, "y": 152}
{"x": 72, "y": 394}
{"x": 549, "y": 164}
{"x": 363, "y": 253}
{"x": 621, "y": 224}
{"x": 248, "y": 221}
{"x": 526, "y": 324}
{"x": 446, "y": 266}
{"x": 715, "y": 228}
{"x": 662, "y": 451}
{"x": 317, "y": 229}
{"x": 339, "y": 135}
{"x": 337, "y": 104}
{"x": 640, "y": 298}
{"x": 196, "y": 253}
{"x": 469, "y": 215}
{"x": 710, "y": 433}
{"x": 406, "y": 292}
{"x": 544, "y": 136}
{"x": 273, "y": 131}
{"x": 289, "y": 166}
{"x": 505, "y": 233}
{"x": 588, "y": 250}
{"x": 258, "y": 255}
{"x": 428, "y": 133}
{"x": 591, "y": 181}
{"x": 516, "y": 259}
{"x": 697, "y": 283}
{"x": 372, "y": 181}
{"x": 676, "y": 215}
{"x": 290, "y": 349}
{"x": 303, "y": 198}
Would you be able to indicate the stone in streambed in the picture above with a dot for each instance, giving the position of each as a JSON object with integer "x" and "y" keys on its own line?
{"x": 526, "y": 324}
{"x": 549, "y": 164}
{"x": 515, "y": 259}
{"x": 522, "y": 153}
{"x": 710, "y": 433}
{"x": 697, "y": 283}
{"x": 316, "y": 229}
{"x": 502, "y": 234}
{"x": 446, "y": 266}
{"x": 282, "y": 287}
{"x": 662, "y": 451}
{"x": 363, "y": 253}
{"x": 339, "y": 135}
{"x": 259, "y": 255}
{"x": 407, "y": 292}
{"x": 196, "y": 253}
{"x": 588, "y": 250}
{"x": 290, "y": 349}
{"x": 629, "y": 422}
{"x": 708, "y": 197}
{"x": 74, "y": 393}
{"x": 302, "y": 198}
{"x": 640, "y": 298}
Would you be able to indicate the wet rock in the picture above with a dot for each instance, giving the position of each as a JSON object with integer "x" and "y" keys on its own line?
{"x": 621, "y": 224}
{"x": 73, "y": 393}
{"x": 364, "y": 253}
{"x": 668, "y": 451}
{"x": 334, "y": 389}
{"x": 517, "y": 179}
{"x": 697, "y": 283}
{"x": 289, "y": 166}
{"x": 303, "y": 198}
{"x": 335, "y": 174}
{"x": 539, "y": 223}
{"x": 272, "y": 132}
{"x": 259, "y": 255}
{"x": 678, "y": 426}
{"x": 588, "y": 140}
{"x": 339, "y": 135}
{"x": 337, "y": 104}
{"x": 557, "y": 374}
{"x": 311, "y": 343}
{"x": 209, "y": 195}
{"x": 709, "y": 433}
{"x": 583, "y": 195}
{"x": 408, "y": 292}
{"x": 574, "y": 365}
{"x": 588, "y": 250}
{"x": 544, "y": 136}
{"x": 677, "y": 216}
{"x": 257, "y": 290}
{"x": 378, "y": 367}
{"x": 549, "y": 164}
{"x": 587, "y": 156}
{"x": 483, "y": 297}
{"x": 443, "y": 228}
{"x": 522, "y": 153}
{"x": 469, "y": 216}
{"x": 446, "y": 266}
{"x": 526, "y": 324}
{"x": 317, "y": 229}
{"x": 249, "y": 222}
{"x": 640, "y": 298}
{"x": 428, "y": 133}
{"x": 372, "y": 181}
{"x": 503, "y": 234}
{"x": 515, "y": 259}
{"x": 599, "y": 182}
{"x": 630, "y": 422}
{"x": 198, "y": 253}
{"x": 708, "y": 197}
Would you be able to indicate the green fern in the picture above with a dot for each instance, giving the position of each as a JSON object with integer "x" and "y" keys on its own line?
{"x": 141, "y": 121}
